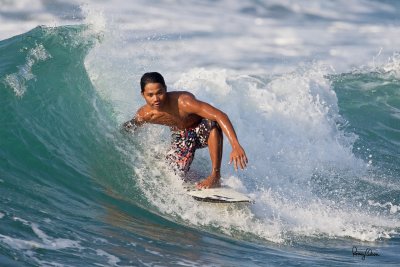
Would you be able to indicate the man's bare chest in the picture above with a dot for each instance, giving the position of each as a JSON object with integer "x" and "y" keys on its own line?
{"x": 180, "y": 121}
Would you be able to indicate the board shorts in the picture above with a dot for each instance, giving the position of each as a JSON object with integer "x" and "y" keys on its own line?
{"x": 184, "y": 144}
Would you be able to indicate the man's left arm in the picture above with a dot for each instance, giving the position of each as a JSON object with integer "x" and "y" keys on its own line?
{"x": 205, "y": 110}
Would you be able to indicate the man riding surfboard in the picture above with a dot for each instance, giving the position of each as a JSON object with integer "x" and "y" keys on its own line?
{"x": 194, "y": 124}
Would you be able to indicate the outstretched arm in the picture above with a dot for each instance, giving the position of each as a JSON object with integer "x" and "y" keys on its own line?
{"x": 137, "y": 121}
{"x": 131, "y": 125}
{"x": 191, "y": 105}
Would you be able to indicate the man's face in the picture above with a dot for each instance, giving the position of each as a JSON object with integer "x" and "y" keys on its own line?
{"x": 155, "y": 95}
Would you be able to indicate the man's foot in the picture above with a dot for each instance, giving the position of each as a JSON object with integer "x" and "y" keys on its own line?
{"x": 209, "y": 182}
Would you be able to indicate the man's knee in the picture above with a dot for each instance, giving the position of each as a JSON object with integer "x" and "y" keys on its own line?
{"x": 215, "y": 130}
{"x": 215, "y": 127}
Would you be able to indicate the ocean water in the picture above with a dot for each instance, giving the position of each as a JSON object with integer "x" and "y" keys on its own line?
{"x": 312, "y": 88}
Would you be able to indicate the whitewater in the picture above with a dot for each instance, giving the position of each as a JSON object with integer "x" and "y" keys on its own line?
{"x": 311, "y": 87}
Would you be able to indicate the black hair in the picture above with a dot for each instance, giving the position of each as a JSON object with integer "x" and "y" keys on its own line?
{"x": 151, "y": 77}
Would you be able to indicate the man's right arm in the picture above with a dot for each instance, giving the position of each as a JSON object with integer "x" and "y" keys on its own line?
{"x": 137, "y": 121}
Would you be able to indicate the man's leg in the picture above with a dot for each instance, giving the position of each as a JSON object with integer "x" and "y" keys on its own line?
{"x": 181, "y": 154}
{"x": 215, "y": 146}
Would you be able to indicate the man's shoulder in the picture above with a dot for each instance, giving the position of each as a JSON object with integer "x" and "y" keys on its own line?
{"x": 144, "y": 108}
{"x": 182, "y": 97}
{"x": 181, "y": 94}
{"x": 144, "y": 112}
{"x": 186, "y": 101}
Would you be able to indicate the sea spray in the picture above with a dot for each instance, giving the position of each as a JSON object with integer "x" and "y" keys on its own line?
{"x": 17, "y": 81}
{"x": 68, "y": 171}
{"x": 295, "y": 144}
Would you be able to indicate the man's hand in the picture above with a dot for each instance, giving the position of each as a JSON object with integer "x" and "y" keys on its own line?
{"x": 129, "y": 126}
{"x": 238, "y": 157}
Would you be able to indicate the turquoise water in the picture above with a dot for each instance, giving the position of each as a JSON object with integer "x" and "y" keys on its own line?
{"x": 75, "y": 191}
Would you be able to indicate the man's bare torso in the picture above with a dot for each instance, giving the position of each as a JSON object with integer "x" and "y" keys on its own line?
{"x": 172, "y": 114}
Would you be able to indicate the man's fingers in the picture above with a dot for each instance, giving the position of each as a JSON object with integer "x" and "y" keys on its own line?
{"x": 243, "y": 163}
{"x": 246, "y": 160}
{"x": 239, "y": 161}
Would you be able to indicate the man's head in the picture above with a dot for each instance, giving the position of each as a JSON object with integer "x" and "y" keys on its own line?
{"x": 154, "y": 89}
{"x": 151, "y": 77}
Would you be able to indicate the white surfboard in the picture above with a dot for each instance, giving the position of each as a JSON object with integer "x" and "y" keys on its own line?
{"x": 219, "y": 195}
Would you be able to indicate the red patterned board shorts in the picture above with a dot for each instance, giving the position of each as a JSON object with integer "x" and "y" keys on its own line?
{"x": 184, "y": 144}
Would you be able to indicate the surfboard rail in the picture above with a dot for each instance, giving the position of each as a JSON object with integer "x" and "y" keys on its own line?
{"x": 219, "y": 195}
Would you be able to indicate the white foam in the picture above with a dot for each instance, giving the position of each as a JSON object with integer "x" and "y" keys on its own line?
{"x": 94, "y": 18}
{"x": 156, "y": 253}
{"x": 16, "y": 243}
{"x": 389, "y": 205}
{"x": 111, "y": 259}
{"x": 392, "y": 67}
{"x": 317, "y": 217}
{"x": 51, "y": 244}
{"x": 286, "y": 116}
{"x": 292, "y": 120}
{"x": 17, "y": 81}
{"x": 47, "y": 242}
{"x": 240, "y": 39}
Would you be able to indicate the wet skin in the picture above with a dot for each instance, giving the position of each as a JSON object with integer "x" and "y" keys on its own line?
{"x": 181, "y": 110}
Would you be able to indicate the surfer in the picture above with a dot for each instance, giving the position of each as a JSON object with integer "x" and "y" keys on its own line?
{"x": 194, "y": 124}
